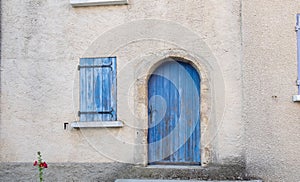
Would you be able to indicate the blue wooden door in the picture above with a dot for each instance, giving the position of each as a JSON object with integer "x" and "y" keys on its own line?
{"x": 174, "y": 114}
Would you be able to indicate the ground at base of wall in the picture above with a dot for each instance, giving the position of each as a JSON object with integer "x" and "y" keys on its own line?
{"x": 109, "y": 172}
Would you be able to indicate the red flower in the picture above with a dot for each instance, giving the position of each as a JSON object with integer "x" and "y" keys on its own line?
{"x": 44, "y": 165}
{"x": 35, "y": 163}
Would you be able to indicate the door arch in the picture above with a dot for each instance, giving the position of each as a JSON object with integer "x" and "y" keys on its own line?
{"x": 174, "y": 114}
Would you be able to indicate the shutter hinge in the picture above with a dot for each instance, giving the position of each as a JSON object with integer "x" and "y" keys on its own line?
{"x": 97, "y": 112}
{"x": 297, "y": 27}
{"x": 298, "y": 82}
{"x": 96, "y": 66}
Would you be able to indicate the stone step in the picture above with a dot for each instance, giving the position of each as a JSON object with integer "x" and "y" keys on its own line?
{"x": 160, "y": 180}
{"x": 166, "y": 172}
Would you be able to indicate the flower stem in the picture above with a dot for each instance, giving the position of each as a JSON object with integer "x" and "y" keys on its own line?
{"x": 40, "y": 168}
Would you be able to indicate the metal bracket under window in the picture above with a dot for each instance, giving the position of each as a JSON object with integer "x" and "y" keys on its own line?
{"x": 97, "y": 112}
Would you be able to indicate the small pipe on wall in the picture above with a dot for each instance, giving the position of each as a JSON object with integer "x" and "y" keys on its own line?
{"x": 296, "y": 98}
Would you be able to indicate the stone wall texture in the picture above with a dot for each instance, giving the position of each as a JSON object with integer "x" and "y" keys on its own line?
{"x": 245, "y": 51}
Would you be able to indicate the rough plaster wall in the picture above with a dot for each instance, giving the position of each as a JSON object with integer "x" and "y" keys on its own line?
{"x": 42, "y": 41}
{"x": 269, "y": 65}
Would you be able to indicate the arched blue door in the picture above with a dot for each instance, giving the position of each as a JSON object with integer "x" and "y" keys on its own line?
{"x": 174, "y": 114}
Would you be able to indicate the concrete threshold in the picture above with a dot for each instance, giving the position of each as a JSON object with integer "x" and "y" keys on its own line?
{"x": 173, "y": 167}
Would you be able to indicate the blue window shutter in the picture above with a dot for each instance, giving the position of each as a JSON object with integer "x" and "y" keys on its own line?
{"x": 98, "y": 89}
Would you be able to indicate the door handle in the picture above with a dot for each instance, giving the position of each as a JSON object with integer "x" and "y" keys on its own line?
{"x": 150, "y": 113}
{"x": 150, "y": 110}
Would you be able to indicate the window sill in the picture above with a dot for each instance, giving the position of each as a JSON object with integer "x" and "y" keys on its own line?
{"x": 97, "y": 124}
{"x": 97, "y": 2}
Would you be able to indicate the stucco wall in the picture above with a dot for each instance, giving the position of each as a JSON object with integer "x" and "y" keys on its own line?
{"x": 270, "y": 71}
{"x": 43, "y": 40}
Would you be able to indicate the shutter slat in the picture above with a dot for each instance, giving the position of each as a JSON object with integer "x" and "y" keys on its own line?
{"x": 90, "y": 89}
{"x": 106, "y": 86}
{"x": 82, "y": 91}
{"x": 113, "y": 90}
{"x": 98, "y": 89}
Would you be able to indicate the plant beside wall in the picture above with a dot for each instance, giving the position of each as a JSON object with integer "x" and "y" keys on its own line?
{"x": 41, "y": 165}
